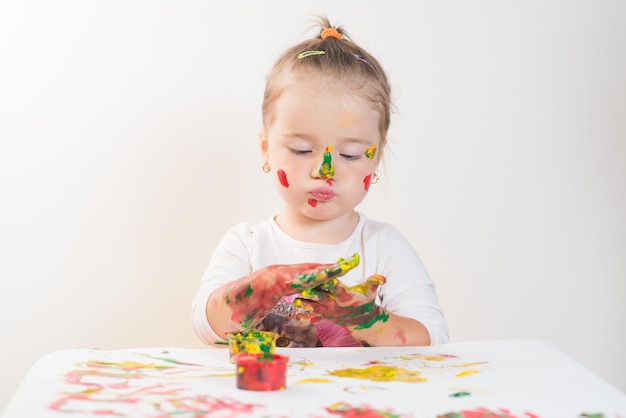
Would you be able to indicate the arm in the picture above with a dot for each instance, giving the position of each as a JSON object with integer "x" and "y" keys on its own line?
{"x": 397, "y": 330}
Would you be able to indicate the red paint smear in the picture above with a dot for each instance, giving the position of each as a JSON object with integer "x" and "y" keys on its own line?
{"x": 312, "y": 202}
{"x": 282, "y": 176}
{"x": 484, "y": 413}
{"x": 348, "y": 411}
{"x": 366, "y": 181}
{"x": 329, "y": 182}
{"x": 400, "y": 336}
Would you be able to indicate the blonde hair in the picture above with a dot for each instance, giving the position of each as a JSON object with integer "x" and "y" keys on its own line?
{"x": 335, "y": 56}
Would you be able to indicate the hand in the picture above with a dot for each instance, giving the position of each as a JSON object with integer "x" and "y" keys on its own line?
{"x": 353, "y": 306}
{"x": 252, "y": 297}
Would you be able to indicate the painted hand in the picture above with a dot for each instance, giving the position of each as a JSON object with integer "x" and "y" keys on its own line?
{"x": 252, "y": 297}
{"x": 353, "y": 307}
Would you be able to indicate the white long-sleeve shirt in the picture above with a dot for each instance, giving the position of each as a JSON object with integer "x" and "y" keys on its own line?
{"x": 408, "y": 292}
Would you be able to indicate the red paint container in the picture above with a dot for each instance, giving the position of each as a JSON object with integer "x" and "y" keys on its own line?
{"x": 261, "y": 371}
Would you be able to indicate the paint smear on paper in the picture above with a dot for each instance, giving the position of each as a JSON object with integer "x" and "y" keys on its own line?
{"x": 364, "y": 411}
{"x": 134, "y": 388}
{"x": 467, "y": 373}
{"x": 485, "y": 413}
{"x": 381, "y": 374}
{"x": 314, "y": 380}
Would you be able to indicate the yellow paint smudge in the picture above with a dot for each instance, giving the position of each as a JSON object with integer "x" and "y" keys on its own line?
{"x": 466, "y": 373}
{"x": 381, "y": 374}
{"x": 314, "y": 380}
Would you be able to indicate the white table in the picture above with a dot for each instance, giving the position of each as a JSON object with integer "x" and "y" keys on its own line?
{"x": 510, "y": 378}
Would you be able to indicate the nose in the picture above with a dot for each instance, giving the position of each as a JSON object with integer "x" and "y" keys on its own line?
{"x": 327, "y": 170}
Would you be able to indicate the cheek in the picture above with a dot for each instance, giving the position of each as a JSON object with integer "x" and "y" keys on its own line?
{"x": 367, "y": 181}
{"x": 282, "y": 177}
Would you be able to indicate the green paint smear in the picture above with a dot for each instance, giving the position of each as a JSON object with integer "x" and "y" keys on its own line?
{"x": 384, "y": 317}
{"x": 249, "y": 290}
{"x": 459, "y": 394}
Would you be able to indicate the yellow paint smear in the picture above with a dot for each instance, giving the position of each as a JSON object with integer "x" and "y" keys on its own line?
{"x": 466, "y": 373}
{"x": 381, "y": 374}
{"x": 314, "y": 380}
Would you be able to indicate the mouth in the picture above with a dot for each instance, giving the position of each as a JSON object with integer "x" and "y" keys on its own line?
{"x": 323, "y": 194}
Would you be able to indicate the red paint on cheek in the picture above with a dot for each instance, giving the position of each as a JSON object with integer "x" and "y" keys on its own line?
{"x": 366, "y": 182}
{"x": 282, "y": 177}
{"x": 312, "y": 202}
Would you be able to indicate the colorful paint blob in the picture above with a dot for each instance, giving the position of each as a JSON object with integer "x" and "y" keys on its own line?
{"x": 253, "y": 342}
{"x": 282, "y": 177}
{"x": 381, "y": 374}
{"x": 261, "y": 372}
{"x": 371, "y": 152}
{"x": 327, "y": 170}
{"x": 346, "y": 410}
{"x": 484, "y": 413}
{"x": 312, "y": 203}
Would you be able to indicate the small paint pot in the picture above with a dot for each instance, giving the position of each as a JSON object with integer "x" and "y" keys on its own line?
{"x": 261, "y": 371}
{"x": 253, "y": 342}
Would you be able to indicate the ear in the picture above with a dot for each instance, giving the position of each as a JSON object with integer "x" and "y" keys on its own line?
{"x": 263, "y": 144}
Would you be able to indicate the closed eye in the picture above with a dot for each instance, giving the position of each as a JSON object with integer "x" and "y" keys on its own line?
{"x": 299, "y": 152}
{"x": 350, "y": 157}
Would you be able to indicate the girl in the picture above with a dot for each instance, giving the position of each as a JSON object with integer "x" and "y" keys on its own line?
{"x": 326, "y": 113}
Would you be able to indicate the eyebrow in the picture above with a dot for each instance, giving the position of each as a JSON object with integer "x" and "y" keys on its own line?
{"x": 295, "y": 135}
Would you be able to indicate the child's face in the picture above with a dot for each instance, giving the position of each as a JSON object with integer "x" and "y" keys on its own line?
{"x": 314, "y": 121}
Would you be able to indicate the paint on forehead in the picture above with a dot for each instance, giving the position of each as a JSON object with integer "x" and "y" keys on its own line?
{"x": 282, "y": 177}
{"x": 371, "y": 152}
{"x": 346, "y": 118}
{"x": 367, "y": 181}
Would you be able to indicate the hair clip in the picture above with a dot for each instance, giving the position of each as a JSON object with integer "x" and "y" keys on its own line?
{"x": 310, "y": 53}
{"x": 363, "y": 59}
{"x": 332, "y": 32}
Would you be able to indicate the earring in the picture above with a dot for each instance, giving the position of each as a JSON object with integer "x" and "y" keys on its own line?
{"x": 374, "y": 178}
{"x": 266, "y": 167}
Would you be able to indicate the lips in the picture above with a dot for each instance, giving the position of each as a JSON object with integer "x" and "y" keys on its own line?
{"x": 323, "y": 194}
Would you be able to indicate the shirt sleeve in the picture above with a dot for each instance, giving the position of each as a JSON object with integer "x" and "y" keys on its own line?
{"x": 409, "y": 291}
{"x": 229, "y": 262}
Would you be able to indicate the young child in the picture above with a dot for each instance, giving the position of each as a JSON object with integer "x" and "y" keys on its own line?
{"x": 321, "y": 273}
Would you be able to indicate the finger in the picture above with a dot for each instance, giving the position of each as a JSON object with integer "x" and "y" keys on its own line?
{"x": 317, "y": 294}
{"x": 367, "y": 288}
{"x": 376, "y": 280}
{"x": 342, "y": 266}
{"x": 307, "y": 279}
{"x": 308, "y": 305}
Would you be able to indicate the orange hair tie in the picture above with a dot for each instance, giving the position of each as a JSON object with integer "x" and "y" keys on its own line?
{"x": 332, "y": 32}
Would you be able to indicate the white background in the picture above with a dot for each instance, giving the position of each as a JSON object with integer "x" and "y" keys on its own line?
{"x": 129, "y": 145}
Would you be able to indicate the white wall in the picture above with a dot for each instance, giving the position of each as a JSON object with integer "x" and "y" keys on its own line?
{"x": 128, "y": 146}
